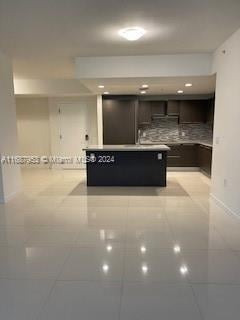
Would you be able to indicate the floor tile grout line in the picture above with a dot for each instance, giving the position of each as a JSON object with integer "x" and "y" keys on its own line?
{"x": 54, "y": 285}
{"x": 46, "y": 300}
{"x": 196, "y": 302}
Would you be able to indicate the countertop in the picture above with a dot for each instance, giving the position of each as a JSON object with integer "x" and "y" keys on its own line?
{"x": 129, "y": 147}
{"x": 204, "y": 143}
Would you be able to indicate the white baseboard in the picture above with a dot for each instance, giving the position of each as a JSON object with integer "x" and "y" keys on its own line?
{"x": 224, "y": 206}
{"x": 183, "y": 169}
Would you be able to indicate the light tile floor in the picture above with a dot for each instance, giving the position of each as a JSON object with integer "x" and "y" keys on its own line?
{"x": 68, "y": 252}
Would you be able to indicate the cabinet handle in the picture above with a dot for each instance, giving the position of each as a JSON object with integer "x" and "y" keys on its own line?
{"x": 173, "y": 156}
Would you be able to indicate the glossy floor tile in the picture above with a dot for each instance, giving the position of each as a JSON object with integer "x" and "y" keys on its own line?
{"x": 218, "y": 302}
{"x": 32, "y": 262}
{"x": 83, "y": 300}
{"x": 23, "y": 299}
{"x": 152, "y": 265}
{"x": 72, "y": 252}
{"x": 94, "y": 264}
{"x": 158, "y": 301}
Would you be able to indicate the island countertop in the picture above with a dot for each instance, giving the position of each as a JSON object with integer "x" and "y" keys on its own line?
{"x": 127, "y": 147}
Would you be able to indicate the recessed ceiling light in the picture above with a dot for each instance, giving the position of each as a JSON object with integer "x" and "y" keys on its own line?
{"x": 105, "y": 92}
{"x": 144, "y": 86}
{"x": 180, "y": 91}
{"x": 143, "y": 92}
{"x": 132, "y": 33}
{"x": 101, "y": 86}
{"x": 188, "y": 84}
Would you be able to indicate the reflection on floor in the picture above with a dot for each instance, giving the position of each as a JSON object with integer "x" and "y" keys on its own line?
{"x": 69, "y": 253}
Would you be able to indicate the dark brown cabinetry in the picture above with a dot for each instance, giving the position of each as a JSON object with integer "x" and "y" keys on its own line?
{"x": 173, "y": 108}
{"x": 158, "y": 108}
{"x": 183, "y": 155}
{"x": 119, "y": 121}
{"x": 174, "y": 155}
{"x": 205, "y": 158}
{"x": 190, "y": 155}
{"x": 193, "y": 111}
{"x": 144, "y": 112}
{"x": 188, "y": 111}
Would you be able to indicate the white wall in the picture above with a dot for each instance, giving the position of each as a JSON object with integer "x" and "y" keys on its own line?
{"x": 33, "y": 126}
{"x": 39, "y": 126}
{"x": 47, "y": 87}
{"x": 226, "y": 155}
{"x": 10, "y": 179}
{"x": 172, "y": 65}
{"x": 92, "y": 124}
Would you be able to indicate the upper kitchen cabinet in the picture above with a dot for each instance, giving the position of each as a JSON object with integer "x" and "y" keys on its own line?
{"x": 144, "y": 112}
{"x": 119, "y": 120}
{"x": 173, "y": 108}
{"x": 158, "y": 108}
{"x": 193, "y": 111}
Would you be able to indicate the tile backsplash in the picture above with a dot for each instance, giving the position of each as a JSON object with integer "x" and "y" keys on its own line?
{"x": 169, "y": 130}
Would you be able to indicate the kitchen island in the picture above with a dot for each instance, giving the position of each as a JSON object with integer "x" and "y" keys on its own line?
{"x": 126, "y": 165}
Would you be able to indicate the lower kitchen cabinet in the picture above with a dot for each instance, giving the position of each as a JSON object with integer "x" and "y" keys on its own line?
{"x": 183, "y": 155}
{"x": 174, "y": 155}
{"x": 205, "y": 158}
{"x": 190, "y": 155}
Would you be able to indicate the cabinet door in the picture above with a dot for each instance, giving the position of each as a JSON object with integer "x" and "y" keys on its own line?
{"x": 119, "y": 121}
{"x": 158, "y": 107}
{"x": 205, "y": 159}
{"x": 189, "y": 155}
{"x": 174, "y": 156}
{"x": 144, "y": 112}
{"x": 182, "y": 155}
{"x": 193, "y": 111}
{"x": 173, "y": 107}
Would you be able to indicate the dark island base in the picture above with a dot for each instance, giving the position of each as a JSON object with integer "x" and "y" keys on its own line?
{"x": 130, "y": 168}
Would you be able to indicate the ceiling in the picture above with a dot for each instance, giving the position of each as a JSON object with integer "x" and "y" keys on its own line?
{"x": 44, "y": 36}
{"x": 162, "y": 86}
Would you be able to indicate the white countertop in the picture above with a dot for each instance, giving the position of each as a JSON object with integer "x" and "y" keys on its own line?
{"x": 128, "y": 147}
{"x": 205, "y": 143}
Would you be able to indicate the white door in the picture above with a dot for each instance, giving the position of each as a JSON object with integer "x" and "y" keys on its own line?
{"x": 73, "y": 131}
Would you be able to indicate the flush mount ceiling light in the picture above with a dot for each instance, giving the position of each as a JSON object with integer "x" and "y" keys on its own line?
{"x": 143, "y": 92}
{"x": 180, "y": 91}
{"x": 144, "y": 86}
{"x": 188, "y": 84}
{"x": 132, "y": 33}
{"x": 105, "y": 92}
{"x": 101, "y": 86}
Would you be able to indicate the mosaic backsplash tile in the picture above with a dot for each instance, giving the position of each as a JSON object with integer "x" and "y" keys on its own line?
{"x": 169, "y": 130}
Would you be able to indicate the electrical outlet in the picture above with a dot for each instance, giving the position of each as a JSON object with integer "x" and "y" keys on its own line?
{"x": 183, "y": 134}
